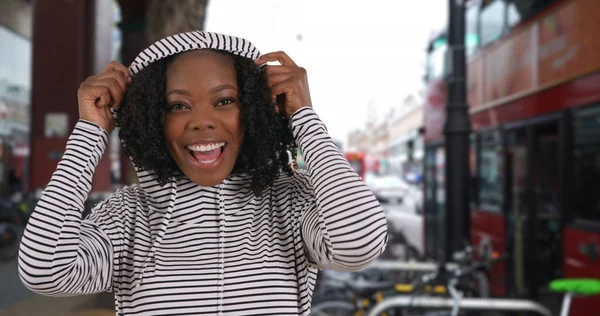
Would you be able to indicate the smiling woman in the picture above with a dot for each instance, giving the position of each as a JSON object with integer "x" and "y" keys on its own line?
{"x": 202, "y": 127}
{"x": 193, "y": 99}
{"x": 219, "y": 224}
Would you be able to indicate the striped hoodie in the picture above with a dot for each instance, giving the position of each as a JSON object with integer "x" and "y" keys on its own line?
{"x": 183, "y": 249}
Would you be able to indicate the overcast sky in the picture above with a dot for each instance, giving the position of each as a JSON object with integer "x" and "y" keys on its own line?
{"x": 355, "y": 52}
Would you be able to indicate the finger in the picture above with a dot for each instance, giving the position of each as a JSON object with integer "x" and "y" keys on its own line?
{"x": 116, "y": 93}
{"x": 114, "y": 75}
{"x": 104, "y": 99}
{"x": 92, "y": 93}
{"x": 121, "y": 68}
{"x": 114, "y": 66}
{"x": 277, "y": 69}
{"x": 273, "y": 80}
{"x": 280, "y": 56}
{"x": 108, "y": 113}
{"x": 124, "y": 71}
{"x": 284, "y": 87}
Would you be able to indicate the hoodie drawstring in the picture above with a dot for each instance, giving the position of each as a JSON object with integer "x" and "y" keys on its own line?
{"x": 161, "y": 232}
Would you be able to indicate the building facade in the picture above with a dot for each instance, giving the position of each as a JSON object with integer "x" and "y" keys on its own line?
{"x": 394, "y": 144}
{"x": 15, "y": 92}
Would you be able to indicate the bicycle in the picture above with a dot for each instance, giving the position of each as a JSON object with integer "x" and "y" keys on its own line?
{"x": 572, "y": 287}
{"x": 355, "y": 296}
{"x": 14, "y": 214}
{"x": 457, "y": 300}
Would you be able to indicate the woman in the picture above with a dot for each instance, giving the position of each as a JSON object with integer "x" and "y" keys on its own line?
{"x": 219, "y": 223}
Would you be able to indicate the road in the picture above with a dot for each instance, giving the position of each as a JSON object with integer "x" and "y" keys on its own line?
{"x": 11, "y": 288}
{"x": 404, "y": 218}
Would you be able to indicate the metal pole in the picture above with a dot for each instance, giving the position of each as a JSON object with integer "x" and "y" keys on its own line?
{"x": 457, "y": 131}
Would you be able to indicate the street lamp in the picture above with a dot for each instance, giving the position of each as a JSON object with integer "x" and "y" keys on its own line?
{"x": 456, "y": 131}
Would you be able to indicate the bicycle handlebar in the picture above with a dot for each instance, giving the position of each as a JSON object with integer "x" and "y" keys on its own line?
{"x": 458, "y": 272}
{"x": 479, "y": 266}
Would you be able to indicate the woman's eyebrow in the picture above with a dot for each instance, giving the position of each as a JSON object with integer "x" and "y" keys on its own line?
{"x": 221, "y": 88}
{"x": 177, "y": 91}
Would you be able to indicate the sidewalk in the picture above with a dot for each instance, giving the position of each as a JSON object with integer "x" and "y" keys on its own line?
{"x": 89, "y": 305}
{"x": 16, "y": 300}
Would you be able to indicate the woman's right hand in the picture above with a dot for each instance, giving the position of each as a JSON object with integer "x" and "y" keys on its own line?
{"x": 99, "y": 93}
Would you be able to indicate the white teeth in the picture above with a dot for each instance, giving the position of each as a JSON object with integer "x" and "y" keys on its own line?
{"x": 207, "y": 147}
{"x": 207, "y": 161}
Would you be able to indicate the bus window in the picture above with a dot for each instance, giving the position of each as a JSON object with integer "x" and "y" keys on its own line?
{"x": 432, "y": 236}
{"x": 490, "y": 173}
{"x": 436, "y": 63}
{"x": 514, "y": 17}
{"x": 473, "y": 168}
{"x": 357, "y": 166}
{"x": 586, "y": 164}
{"x": 519, "y": 10}
{"x": 472, "y": 35}
{"x": 492, "y": 21}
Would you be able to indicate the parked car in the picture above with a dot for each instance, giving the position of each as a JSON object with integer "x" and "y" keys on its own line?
{"x": 389, "y": 189}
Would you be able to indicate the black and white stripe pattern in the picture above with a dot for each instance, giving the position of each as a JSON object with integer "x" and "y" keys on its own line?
{"x": 182, "y": 249}
{"x": 190, "y": 41}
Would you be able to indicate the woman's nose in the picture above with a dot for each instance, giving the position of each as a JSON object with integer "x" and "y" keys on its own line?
{"x": 203, "y": 118}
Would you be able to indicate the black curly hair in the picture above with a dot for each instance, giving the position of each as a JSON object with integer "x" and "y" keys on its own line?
{"x": 263, "y": 153}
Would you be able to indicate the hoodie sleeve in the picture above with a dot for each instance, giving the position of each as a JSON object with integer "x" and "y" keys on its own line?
{"x": 343, "y": 225}
{"x": 60, "y": 253}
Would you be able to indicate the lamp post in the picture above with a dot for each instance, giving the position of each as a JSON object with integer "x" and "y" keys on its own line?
{"x": 456, "y": 131}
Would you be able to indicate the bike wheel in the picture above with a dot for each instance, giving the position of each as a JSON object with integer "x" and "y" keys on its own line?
{"x": 10, "y": 240}
{"x": 333, "y": 308}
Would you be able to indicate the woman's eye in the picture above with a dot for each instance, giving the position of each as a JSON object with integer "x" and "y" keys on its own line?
{"x": 226, "y": 101}
{"x": 177, "y": 107}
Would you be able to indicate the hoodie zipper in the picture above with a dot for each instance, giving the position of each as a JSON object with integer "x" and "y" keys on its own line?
{"x": 221, "y": 249}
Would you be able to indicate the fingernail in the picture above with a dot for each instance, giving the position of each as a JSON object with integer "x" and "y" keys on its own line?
{"x": 129, "y": 79}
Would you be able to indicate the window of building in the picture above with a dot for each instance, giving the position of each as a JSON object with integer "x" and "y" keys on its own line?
{"x": 586, "y": 164}
{"x": 15, "y": 66}
{"x": 490, "y": 172}
{"x": 492, "y": 21}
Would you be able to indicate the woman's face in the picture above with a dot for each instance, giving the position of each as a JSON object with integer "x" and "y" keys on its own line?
{"x": 202, "y": 127}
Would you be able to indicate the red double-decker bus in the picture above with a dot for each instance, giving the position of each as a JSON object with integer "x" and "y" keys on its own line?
{"x": 357, "y": 161}
{"x": 534, "y": 99}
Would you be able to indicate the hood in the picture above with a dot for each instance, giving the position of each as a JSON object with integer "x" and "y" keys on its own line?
{"x": 193, "y": 40}
{"x": 160, "y": 200}
{"x": 174, "y": 45}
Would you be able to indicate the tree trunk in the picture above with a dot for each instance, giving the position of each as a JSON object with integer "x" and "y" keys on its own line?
{"x": 165, "y": 18}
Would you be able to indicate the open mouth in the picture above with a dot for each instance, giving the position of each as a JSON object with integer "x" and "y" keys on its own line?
{"x": 206, "y": 154}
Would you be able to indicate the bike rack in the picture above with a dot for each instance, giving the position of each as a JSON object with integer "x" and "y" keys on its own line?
{"x": 417, "y": 266}
{"x": 481, "y": 304}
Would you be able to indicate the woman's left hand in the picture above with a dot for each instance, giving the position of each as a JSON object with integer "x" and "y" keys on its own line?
{"x": 288, "y": 83}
